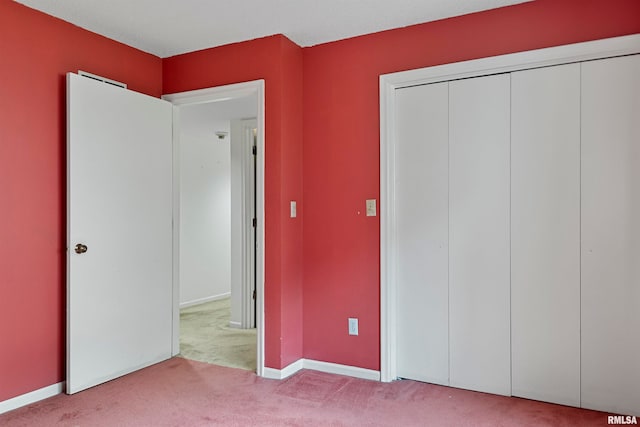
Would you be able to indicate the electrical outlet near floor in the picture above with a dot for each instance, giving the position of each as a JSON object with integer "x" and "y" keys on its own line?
{"x": 353, "y": 326}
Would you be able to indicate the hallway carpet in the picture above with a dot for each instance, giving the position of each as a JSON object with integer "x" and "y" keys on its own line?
{"x": 180, "y": 392}
{"x": 205, "y": 336}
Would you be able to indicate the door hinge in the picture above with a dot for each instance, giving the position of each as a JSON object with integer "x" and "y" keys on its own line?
{"x": 254, "y": 150}
{"x": 254, "y": 294}
{"x": 255, "y": 222}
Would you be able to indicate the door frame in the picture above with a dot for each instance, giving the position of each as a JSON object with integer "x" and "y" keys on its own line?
{"x": 598, "y": 49}
{"x": 219, "y": 94}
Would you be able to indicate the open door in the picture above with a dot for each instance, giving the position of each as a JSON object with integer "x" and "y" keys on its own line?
{"x": 119, "y": 231}
{"x": 249, "y": 160}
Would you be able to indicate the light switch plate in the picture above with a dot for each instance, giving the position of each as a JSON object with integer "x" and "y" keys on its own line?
{"x": 371, "y": 207}
{"x": 353, "y": 326}
{"x": 293, "y": 209}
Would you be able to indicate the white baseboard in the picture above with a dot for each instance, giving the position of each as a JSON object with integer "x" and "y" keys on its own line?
{"x": 276, "y": 374}
{"x": 280, "y": 374}
{"x": 32, "y": 397}
{"x": 334, "y": 368}
{"x": 331, "y": 368}
{"x": 203, "y": 300}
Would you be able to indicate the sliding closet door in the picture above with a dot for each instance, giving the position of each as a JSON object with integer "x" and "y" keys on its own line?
{"x": 479, "y": 234}
{"x": 545, "y": 233}
{"x": 611, "y": 235}
{"x": 421, "y": 210}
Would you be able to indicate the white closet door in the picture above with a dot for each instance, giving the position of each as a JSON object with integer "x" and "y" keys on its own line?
{"x": 545, "y": 233}
{"x": 611, "y": 235}
{"x": 421, "y": 209}
{"x": 479, "y": 297}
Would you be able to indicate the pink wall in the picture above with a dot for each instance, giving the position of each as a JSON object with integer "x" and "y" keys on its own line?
{"x": 341, "y": 147}
{"x": 36, "y": 51}
{"x": 279, "y": 62}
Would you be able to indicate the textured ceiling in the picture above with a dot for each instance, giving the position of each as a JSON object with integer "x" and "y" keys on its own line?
{"x": 170, "y": 27}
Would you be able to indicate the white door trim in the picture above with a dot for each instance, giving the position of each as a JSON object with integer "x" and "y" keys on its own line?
{"x": 598, "y": 49}
{"x": 218, "y": 94}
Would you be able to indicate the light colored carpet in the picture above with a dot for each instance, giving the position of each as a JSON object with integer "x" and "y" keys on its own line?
{"x": 205, "y": 336}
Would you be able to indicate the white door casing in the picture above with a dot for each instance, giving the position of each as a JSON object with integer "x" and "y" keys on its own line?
{"x": 119, "y": 194}
{"x": 216, "y": 94}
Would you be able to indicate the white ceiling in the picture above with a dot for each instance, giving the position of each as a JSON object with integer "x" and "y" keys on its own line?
{"x": 170, "y": 27}
{"x": 199, "y": 115}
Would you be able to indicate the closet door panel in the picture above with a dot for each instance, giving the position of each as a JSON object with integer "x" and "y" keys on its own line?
{"x": 421, "y": 209}
{"x": 545, "y": 234}
{"x": 611, "y": 235}
{"x": 479, "y": 331}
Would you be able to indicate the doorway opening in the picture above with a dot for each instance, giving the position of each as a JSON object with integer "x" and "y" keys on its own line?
{"x": 218, "y": 235}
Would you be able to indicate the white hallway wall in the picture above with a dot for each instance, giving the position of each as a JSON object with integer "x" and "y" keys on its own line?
{"x": 208, "y": 168}
{"x": 205, "y": 204}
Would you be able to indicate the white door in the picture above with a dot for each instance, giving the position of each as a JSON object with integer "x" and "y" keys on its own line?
{"x": 119, "y": 273}
{"x": 243, "y": 231}
{"x": 421, "y": 224}
{"x": 250, "y": 130}
{"x": 479, "y": 331}
{"x": 545, "y": 234}
{"x": 610, "y": 348}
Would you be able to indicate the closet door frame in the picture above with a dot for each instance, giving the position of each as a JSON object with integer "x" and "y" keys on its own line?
{"x": 599, "y": 49}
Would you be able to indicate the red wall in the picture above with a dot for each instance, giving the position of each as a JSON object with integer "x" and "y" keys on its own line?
{"x": 279, "y": 62}
{"x": 36, "y": 51}
{"x": 312, "y": 284}
{"x": 341, "y": 147}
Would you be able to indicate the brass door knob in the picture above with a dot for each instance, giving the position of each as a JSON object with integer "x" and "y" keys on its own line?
{"x": 80, "y": 248}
